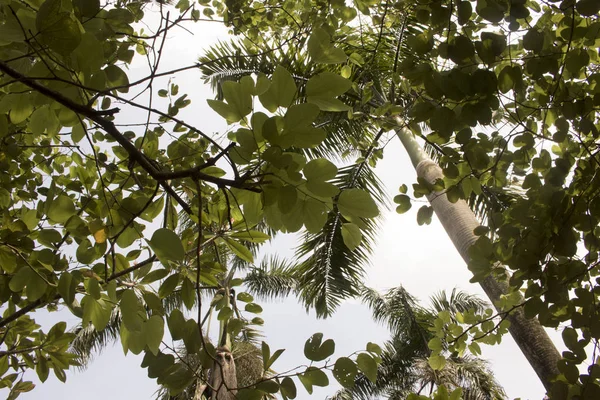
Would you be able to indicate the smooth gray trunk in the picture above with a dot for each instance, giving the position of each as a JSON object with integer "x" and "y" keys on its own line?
{"x": 459, "y": 222}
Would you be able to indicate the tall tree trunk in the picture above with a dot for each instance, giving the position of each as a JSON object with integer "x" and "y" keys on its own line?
{"x": 222, "y": 378}
{"x": 459, "y": 222}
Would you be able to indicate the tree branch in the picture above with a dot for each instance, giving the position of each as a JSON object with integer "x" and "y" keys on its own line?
{"x": 135, "y": 154}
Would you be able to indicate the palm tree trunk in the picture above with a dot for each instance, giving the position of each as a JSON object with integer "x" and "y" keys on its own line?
{"x": 459, "y": 222}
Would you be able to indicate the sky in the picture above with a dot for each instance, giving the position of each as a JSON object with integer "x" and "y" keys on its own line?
{"x": 422, "y": 259}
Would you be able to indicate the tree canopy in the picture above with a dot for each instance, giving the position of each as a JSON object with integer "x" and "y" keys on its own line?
{"x": 102, "y": 214}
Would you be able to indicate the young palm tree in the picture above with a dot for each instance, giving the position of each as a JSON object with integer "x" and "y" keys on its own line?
{"x": 404, "y": 368}
{"x": 384, "y": 52}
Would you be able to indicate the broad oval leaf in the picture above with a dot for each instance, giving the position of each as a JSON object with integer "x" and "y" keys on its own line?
{"x": 288, "y": 388}
{"x": 322, "y": 51}
{"x": 345, "y": 371}
{"x": 357, "y": 202}
{"x": 351, "y": 235}
{"x": 367, "y": 365}
{"x": 320, "y": 170}
{"x": 167, "y": 245}
{"x": 314, "y": 350}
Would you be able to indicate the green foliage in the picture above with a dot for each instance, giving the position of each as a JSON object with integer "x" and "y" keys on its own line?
{"x": 314, "y": 350}
{"x": 501, "y": 110}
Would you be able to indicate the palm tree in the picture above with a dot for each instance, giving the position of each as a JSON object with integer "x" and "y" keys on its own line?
{"x": 384, "y": 51}
{"x": 237, "y": 361}
{"x": 404, "y": 368}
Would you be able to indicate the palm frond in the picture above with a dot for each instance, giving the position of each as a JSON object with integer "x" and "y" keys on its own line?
{"x": 459, "y": 301}
{"x": 88, "y": 341}
{"x": 232, "y": 60}
{"x": 395, "y": 377}
{"x": 329, "y": 271}
{"x": 274, "y": 278}
{"x": 477, "y": 379}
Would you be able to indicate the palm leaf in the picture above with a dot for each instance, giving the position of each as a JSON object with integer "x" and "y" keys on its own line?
{"x": 88, "y": 341}
{"x": 404, "y": 367}
{"x": 274, "y": 278}
{"x": 329, "y": 271}
{"x": 458, "y": 301}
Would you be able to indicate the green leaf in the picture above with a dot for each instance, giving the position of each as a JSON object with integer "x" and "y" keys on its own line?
{"x": 153, "y": 332}
{"x": 588, "y": 8}
{"x": 322, "y": 189}
{"x": 225, "y": 313}
{"x": 238, "y": 98}
{"x": 224, "y": 110}
{"x": 421, "y": 43}
{"x": 168, "y": 286}
{"x": 357, "y": 202}
{"x": 66, "y": 287}
{"x": 167, "y": 245}
{"x": 249, "y": 394}
{"x": 282, "y": 91}
{"x": 303, "y": 114}
{"x": 87, "y": 8}
{"x": 155, "y": 275}
{"x": 314, "y": 350}
{"x": 403, "y": 202}
{"x": 308, "y": 136}
{"x": 288, "y": 388}
{"x": 345, "y": 371}
{"x": 475, "y": 349}
{"x": 93, "y": 288}
{"x": 424, "y": 215}
{"x": 253, "y": 308}
{"x": 437, "y": 362}
{"x": 320, "y": 170}
{"x": 464, "y": 11}
{"x": 322, "y": 51}
{"x": 41, "y": 368}
{"x": 176, "y": 324}
{"x": 58, "y": 27}
{"x": 95, "y": 311}
{"x": 8, "y": 259}
{"x": 116, "y": 77}
{"x": 533, "y": 40}
{"x": 274, "y": 357}
{"x": 287, "y": 198}
{"x": 251, "y": 236}
{"x": 351, "y": 235}
{"x": 435, "y": 344}
{"x": 313, "y": 377}
{"x": 268, "y": 386}
{"x": 367, "y": 365}
{"x": 188, "y": 294}
{"x": 322, "y": 89}
{"x": 20, "y": 279}
{"x": 36, "y": 287}
{"x": 327, "y": 85}
{"x": 239, "y": 249}
{"x": 61, "y": 209}
{"x": 130, "y": 311}
{"x": 266, "y": 355}
{"x": 374, "y": 348}
{"x": 491, "y": 10}
{"x": 245, "y": 297}
{"x": 315, "y": 214}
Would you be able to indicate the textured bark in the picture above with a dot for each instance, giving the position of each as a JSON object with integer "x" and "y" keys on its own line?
{"x": 459, "y": 222}
{"x": 223, "y": 380}
{"x": 200, "y": 388}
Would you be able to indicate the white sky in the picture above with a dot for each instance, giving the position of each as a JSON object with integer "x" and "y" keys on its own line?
{"x": 421, "y": 258}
